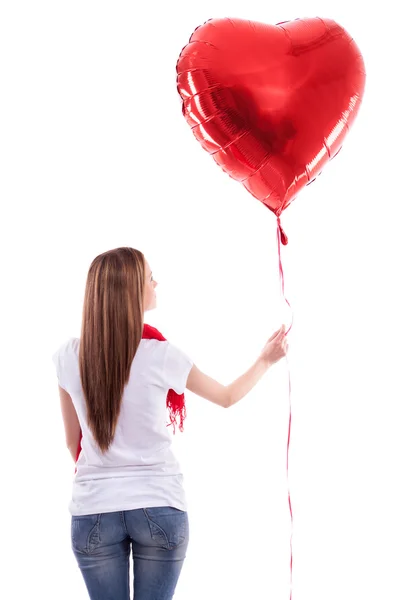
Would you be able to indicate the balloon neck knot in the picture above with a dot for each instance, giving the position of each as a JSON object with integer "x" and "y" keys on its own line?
{"x": 283, "y": 236}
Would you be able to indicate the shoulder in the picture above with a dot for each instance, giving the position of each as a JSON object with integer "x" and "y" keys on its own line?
{"x": 165, "y": 354}
{"x": 151, "y": 350}
{"x": 174, "y": 355}
{"x": 71, "y": 345}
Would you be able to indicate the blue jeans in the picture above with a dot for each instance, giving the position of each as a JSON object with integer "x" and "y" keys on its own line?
{"x": 102, "y": 544}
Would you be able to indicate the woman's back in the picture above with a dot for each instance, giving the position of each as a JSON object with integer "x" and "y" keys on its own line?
{"x": 139, "y": 468}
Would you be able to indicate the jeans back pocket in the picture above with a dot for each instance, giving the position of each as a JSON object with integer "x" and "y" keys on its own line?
{"x": 169, "y": 526}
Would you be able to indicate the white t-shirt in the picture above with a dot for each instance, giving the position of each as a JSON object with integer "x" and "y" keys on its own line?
{"x": 139, "y": 469}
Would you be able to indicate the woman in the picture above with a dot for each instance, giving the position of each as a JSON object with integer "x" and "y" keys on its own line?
{"x": 114, "y": 381}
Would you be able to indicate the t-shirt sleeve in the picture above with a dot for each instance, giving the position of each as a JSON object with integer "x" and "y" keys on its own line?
{"x": 58, "y": 360}
{"x": 177, "y": 367}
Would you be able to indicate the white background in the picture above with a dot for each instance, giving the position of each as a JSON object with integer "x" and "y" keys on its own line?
{"x": 95, "y": 154}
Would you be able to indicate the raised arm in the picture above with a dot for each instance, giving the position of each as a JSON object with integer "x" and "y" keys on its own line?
{"x": 227, "y": 395}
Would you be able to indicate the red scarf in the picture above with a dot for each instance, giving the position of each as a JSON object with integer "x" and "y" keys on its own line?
{"x": 175, "y": 402}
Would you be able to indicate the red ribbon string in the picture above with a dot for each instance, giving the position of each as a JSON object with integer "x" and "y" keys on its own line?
{"x": 282, "y": 239}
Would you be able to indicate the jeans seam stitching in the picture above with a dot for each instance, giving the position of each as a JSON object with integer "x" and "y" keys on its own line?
{"x": 123, "y": 521}
{"x": 150, "y": 520}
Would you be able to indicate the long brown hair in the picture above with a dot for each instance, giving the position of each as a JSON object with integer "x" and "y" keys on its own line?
{"x": 112, "y": 327}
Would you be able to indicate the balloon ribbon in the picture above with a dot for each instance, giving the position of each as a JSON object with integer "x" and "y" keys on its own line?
{"x": 282, "y": 239}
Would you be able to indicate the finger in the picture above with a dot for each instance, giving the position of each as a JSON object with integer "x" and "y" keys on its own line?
{"x": 274, "y": 335}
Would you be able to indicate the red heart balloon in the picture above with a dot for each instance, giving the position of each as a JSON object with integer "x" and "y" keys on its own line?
{"x": 271, "y": 103}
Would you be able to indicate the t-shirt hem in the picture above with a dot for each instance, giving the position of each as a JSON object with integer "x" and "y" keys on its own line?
{"x": 124, "y": 508}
